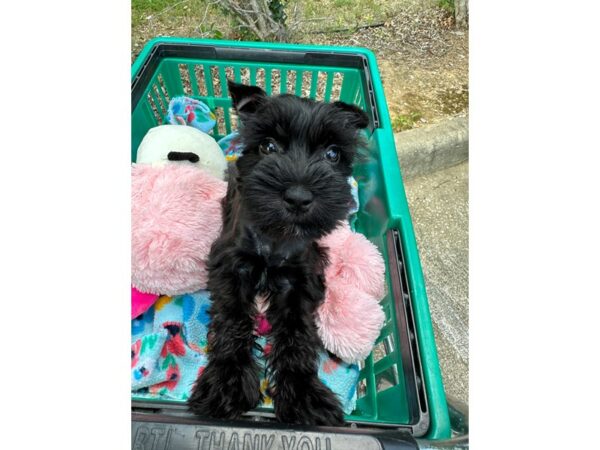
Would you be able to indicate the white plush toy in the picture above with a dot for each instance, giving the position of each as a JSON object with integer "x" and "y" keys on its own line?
{"x": 166, "y": 143}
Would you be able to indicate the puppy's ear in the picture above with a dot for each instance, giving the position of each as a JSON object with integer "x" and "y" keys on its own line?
{"x": 246, "y": 99}
{"x": 355, "y": 117}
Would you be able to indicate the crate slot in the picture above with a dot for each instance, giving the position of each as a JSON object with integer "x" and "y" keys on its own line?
{"x": 155, "y": 111}
{"x": 219, "y": 128}
{"x": 185, "y": 78}
{"x": 229, "y": 75}
{"x": 233, "y": 119}
{"x": 275, "y": 82}
{"x": 379, "y": 352}
{"x": 162, "y": 102}
{"x": 307, "y": 78}
{"x": 289, "y": 81}
{"x": 260, "y": 78}
{"x": 200, "y": 82}
{"x": 148, "y": 113}
{"x": 387, "y": 378}
{"x": 336, "y": 89}
{"x": 163, "y": 99}
{"x": 388, "y": 343}
{"x": 216, "y": 81}
{"x": 163, "y": 89}
{"x": 244, "y": 75}
{"x": 361, "y": 388}
{"x": 328, "y": 87}
{"x": 319, "y": 85}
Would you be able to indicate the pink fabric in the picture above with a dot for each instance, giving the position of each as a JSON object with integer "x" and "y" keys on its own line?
{"x": 176, "y": 216}
{"x": 141, "y": 302}
{"x": 350, "y": 318}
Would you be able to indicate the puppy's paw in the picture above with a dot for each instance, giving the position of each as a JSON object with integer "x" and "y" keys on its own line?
{"x": 225, "y": 392}
{"x": 308, "y": 403}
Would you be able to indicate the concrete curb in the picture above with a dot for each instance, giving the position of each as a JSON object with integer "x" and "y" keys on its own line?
{"x": 432, "y": 148}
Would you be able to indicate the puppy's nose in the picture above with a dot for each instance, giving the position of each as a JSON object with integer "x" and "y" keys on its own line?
{"x": 298, "y": 198}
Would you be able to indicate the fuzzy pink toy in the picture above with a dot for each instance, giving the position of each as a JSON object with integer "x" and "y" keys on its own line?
{"x": 350, "y": 318}
{"x": 175, "y": 217}
{"x": 141, "y": 302}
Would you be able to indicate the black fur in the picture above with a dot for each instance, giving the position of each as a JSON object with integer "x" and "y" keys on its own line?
{"x": 288, "y": 189}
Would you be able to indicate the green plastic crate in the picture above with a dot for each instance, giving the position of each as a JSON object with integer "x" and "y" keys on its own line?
{"x": 400, "y": 383}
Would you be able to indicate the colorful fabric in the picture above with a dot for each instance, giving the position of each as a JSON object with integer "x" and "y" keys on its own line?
{"x": 169, "y": 346}
{"x": 189, "y": 111}
{"x": 233, "y": 148}
{"x": 168, "y": 352}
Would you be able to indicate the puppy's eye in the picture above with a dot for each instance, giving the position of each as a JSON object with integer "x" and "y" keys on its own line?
{"x": 268, "y": 147}
{"x": 332, "y": 154}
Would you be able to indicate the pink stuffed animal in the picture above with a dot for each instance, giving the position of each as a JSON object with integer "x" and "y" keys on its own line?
{"x": 350, "y": 318}
{"x": 175, "y": 217}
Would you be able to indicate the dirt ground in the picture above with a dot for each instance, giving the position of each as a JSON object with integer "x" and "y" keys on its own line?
{"x": 423, "y": 59}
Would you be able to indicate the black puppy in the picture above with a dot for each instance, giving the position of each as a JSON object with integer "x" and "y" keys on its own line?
{"x": 288, "y": 189}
